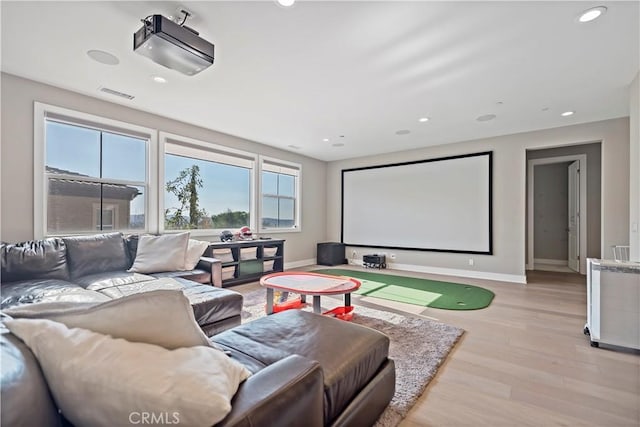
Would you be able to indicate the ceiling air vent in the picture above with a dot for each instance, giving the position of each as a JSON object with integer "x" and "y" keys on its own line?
{"x": 116, "y": 93}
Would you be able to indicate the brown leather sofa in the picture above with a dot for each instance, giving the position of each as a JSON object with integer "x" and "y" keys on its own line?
{"x": 308, "y": 370}
{"x": 93, "y": 269}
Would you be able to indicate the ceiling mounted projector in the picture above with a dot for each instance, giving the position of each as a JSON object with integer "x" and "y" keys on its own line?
{"x": 173, "y": 45}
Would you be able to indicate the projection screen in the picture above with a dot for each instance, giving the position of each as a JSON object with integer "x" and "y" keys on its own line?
{"x": 439, "y": 204}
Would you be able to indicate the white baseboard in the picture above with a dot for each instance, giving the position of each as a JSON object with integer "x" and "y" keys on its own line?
{"x": 550, "y": 261}
{"x": 513, "y": 278}
{"x": 301, "y": 263}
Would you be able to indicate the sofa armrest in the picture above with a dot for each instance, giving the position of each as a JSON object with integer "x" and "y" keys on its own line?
{"x": 214, "y": 266}
{"x": 287, "y": 393}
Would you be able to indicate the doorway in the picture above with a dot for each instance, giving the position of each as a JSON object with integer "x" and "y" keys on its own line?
{"x": 557, "y": 218}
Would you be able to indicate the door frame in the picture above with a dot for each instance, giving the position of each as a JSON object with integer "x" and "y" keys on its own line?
{"x": 531, "y": 164}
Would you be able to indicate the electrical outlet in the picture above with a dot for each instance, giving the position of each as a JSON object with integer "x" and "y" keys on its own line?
{"x": 471, "y": 261}
{"x": 392, "y": 256}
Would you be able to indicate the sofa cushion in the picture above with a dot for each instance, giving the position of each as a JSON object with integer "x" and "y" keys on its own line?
{"x": 350, "y": 354}
{"x": 200, "y": 276}
{"x": 46, "y": 290}
{"x": 210, "y": 304}
{"x": 114, "y": 290}
{"x": 108, "y": 279}
{"x": 34, "y": 259}
{"x": 161, "y": 317}
{"x": 24, "y": 396}
{"x": 96, "y": 253}
{"x": 160, "y": 253}
{"x": 192, "y": 385}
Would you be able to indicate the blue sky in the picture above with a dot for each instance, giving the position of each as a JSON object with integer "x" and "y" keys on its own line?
{"x": 77, "y": 150}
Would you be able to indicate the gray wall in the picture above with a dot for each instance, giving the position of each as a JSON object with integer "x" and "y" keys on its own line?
{"x": 321, "y": 181}
{"x": 634, "y": 179}
{"x": 16, "y": 212}
{"x": 550, "y": 211}
{"x": 509, "y": 194}
{"x": 594, "y": 191}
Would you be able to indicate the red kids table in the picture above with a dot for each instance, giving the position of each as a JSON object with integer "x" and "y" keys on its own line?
{"x": 314, "y": 284}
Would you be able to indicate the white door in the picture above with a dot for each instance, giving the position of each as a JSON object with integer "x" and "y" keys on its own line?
{"x": 574, "y": 216}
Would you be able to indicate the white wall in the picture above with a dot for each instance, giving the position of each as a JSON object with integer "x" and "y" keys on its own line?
{"x": 509, "y": 195}
{"x": 634, "y": 179}
{"x": 16, "y": 212}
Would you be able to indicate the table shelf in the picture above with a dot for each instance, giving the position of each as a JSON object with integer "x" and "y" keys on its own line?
{"x": 269, "y": 258}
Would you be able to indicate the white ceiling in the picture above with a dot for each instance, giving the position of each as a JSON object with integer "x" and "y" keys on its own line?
{"x": 294, "y": 76}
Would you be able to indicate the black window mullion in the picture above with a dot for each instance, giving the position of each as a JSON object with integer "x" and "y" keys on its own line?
{"x": 278, "y": 197}
{"x": 101, "y": 186}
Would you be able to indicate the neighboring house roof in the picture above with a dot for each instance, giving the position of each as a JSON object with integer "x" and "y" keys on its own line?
{"x": 81, "y": 188}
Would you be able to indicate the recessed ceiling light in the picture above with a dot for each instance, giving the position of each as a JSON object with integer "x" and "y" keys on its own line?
{"x": 591, "y": 14}
{"x": 338, "y": 144}
{"x": 286, "y": 3}
{"x": 423, "y": 119}
{"x": 103, "y": 57}
{"x": 486, "y": 117}
{"x": 403, "y": 132}
{"x": 158, "y": 79}
{"x": 326, "y": 139}
{"x": 567, "y": 113}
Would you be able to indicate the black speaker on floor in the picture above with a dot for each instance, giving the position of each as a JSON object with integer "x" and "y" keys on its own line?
{"x": 331, "y": 253}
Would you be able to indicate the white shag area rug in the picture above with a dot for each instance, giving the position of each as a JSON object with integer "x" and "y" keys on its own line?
{"x": 418, "y": 347}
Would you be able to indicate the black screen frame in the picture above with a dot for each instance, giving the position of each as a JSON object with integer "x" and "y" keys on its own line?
{"x": 490, "y": 197}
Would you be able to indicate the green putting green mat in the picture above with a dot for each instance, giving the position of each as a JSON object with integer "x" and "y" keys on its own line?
{"x": 412, "y": 290}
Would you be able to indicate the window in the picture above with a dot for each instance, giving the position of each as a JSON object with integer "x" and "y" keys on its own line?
{"x": 90, "y": 174}
{"x": 105, "y": 217}
{"x": 206, "y": 187}
{"x": 280, "y": 198}
{"x": 96, "y": 174}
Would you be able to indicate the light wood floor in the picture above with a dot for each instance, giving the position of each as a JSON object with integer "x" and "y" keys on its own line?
{"x": 524, "y": 361}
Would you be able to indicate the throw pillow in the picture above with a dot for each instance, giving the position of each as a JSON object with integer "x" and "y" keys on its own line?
{"x": 161, "y": 317}
{"x": 160, "y": 253}
{"x": 97, "y": 380}
{"x": 195, "y": 249}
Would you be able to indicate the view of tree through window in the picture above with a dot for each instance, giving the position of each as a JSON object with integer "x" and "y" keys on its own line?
{"x": 99, "y": 174}
{"x": 96, "y": 179}
{"x": 203, "y": 194}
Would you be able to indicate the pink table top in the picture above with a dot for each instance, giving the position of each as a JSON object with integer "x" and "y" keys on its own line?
{"x": 302, "y": 282}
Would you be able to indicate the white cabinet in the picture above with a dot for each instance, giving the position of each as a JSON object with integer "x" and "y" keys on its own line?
{"x": 613, "y": 303}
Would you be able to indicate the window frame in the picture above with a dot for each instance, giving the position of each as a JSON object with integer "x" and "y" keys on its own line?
{"x": 98, "y": 215}
{"x": 275, "y": 165}
{"x": 214, "y": 153}
{"x": 44, "y": 112}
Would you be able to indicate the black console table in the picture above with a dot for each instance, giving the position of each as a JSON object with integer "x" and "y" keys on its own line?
{"x": 245, "y": 261}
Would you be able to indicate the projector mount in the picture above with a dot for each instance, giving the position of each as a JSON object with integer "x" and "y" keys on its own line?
{"x": 186, "y": 14}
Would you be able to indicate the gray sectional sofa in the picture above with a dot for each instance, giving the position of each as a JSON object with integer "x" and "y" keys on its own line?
{"x": 307, "y": 369}
{"x": 93, "y": 269}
